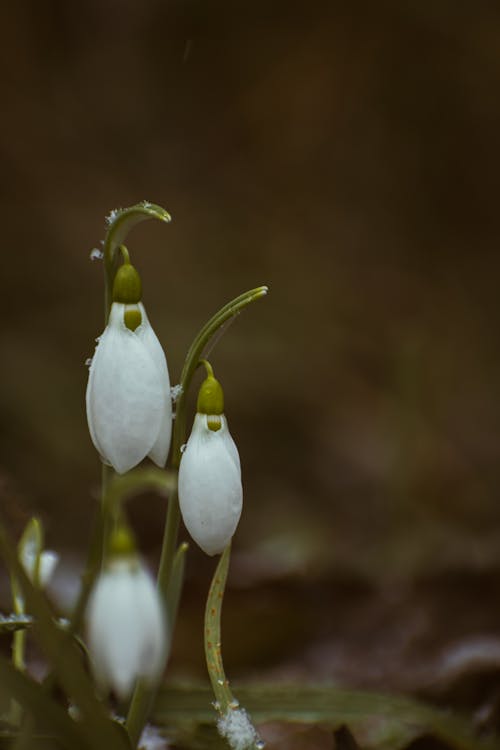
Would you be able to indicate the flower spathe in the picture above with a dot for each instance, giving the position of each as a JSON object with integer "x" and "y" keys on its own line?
{"x": 126, "y": 624}
{"x": 129, "y": 410}
{"x": 210, "y": 491}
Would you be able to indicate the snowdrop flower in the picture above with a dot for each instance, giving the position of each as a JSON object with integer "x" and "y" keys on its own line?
{"x": 126, "y": 624}
{"x": 210, "y": 491}
{"x": 129, "y": 411}
{"x": 38, "y": 563}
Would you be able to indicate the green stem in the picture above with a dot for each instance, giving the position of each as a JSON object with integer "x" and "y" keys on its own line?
{"x": 19, "y": 639}
{"x": 225, "y": 702}
{"x": 120, "y": 223}
{"x": 95, "y": 556}
{"x": 143, "y": 697}
{"x": 224, "y": 697}
{"x": 18, "y": 649}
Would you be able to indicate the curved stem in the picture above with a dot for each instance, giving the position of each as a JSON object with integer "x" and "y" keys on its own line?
{"x": 179, "y": 432}
{"x": 143, "y": 698}
{"x": 225, "y": 703}
{"x": 120, "y": 222}
{"x": 213, "y": 655}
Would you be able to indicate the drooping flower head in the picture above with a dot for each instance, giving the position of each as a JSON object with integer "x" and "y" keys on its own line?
{"x": 129, "y": 411}
{"x": 126, "y": 623}
{"x": 210, "y": 491}
{"x": 39, "y": 563}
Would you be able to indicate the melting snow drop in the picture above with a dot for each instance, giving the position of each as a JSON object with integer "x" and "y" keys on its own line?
{"x": 176, "y": 391}
{"x": 96, "y": 254}
{"x": 238, "y": 730}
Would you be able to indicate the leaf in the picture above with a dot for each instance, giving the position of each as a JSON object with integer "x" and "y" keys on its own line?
{"x": 179, "y": 706}
{"x": 48, "y": 714}
{"x": 11, "y": 623}
{"x": 65, "y": 659}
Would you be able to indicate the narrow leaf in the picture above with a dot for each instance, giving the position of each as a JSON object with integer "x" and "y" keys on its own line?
{"x": 64, "y": 657}
{"x": 48, "y": 714}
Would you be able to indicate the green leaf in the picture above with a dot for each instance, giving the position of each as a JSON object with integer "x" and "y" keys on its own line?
{"x": 65, "y": 659}
{"x": 179, "y": 706}
{"x": 49, "y": 716}
{"x": 11, "y": 623}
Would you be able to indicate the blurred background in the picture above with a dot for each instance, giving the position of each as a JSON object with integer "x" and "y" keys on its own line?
{"x": 346, "y": 155}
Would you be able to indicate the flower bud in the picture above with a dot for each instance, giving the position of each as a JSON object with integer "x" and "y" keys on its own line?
{"x": 210, "y": 491}
{"x": 127, "y": 286}
{"x": 129, "y": 410}
{"x": 38, "y": 563}
{"x": 126, "y": 623}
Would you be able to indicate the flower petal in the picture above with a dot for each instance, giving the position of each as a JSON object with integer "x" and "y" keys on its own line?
{"x": 125, "y": 395}
{"x": 48, "y": 562}
{"x": 126, "y": 627}
{"x": 210, "y": 491}
{"x": 154, "y": 637}
{"x": 161, "y": 447}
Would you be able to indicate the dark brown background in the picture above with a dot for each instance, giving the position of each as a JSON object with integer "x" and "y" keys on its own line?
{"x": 346, "y": 154}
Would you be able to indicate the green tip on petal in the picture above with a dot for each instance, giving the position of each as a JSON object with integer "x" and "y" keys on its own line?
{"x": 210, "y": 396}
{"x": 214, "y": 422}
{"x": 127, "y": 287}
{"x": 132, "y": 318}
{"x": 121, "y": 542}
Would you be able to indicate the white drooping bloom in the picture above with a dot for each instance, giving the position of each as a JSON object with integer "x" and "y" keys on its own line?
{"x": 127, "y": 629}
{"x": 38, "y": 563}
{"x": 210, "y": 491}
{"x": 46, "y": 565}
{"x": 129, "y": 410}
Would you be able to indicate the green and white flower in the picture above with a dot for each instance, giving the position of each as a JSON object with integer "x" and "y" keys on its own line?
{"x": 129, "y": 410}
{"x": 126, "y": 622}
{"x": 210, "y": 490}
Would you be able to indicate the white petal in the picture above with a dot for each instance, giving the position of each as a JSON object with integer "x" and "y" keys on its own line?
{"x": 154, "y": 636}
{"x": 48, "y": 562}
{"x": 210, "y": 491}
{"x": 126, "y": 627}
{"x": 229, "y": 443}
{"x": 125, "y": 395}
{"x": 161, "y": 447}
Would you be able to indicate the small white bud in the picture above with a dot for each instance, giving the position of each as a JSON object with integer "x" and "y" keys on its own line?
{"x": 38, "y": 563}
{"x": 210, "y": 491}
{"x": 129, "y": 411}
{"x": 126, "y": 624}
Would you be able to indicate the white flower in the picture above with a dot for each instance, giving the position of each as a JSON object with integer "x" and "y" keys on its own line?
{"x": 127, "y": 631}
{"x": 46, "y": 565}
{"x": 129, "y": 410}
{"x": 38, "y": 563}
{"x": 210, "y": 492}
